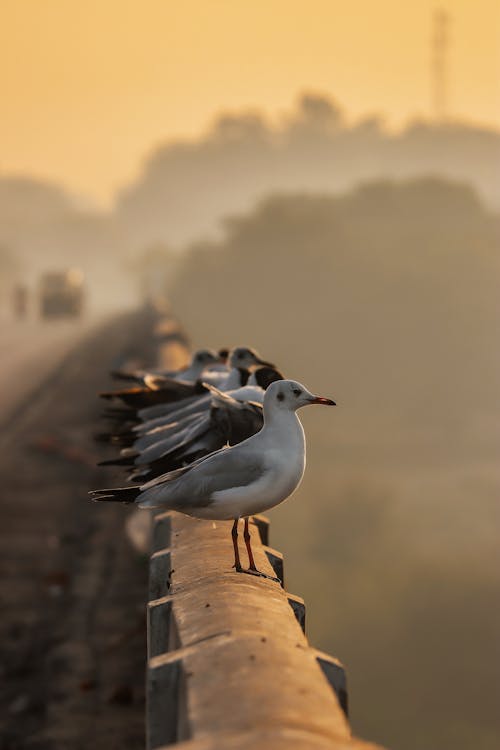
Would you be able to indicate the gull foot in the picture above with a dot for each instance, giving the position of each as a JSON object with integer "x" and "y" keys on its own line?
{"x": 258, "y": 573}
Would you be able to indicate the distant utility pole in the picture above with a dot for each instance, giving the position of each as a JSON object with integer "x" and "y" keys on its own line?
{"x": 439, "y": 55}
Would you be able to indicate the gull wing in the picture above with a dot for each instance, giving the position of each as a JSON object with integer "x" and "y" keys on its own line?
{"x": 194, "y": 486}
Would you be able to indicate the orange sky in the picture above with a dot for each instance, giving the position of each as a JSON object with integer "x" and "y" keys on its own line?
{"x": 87, "y": 88}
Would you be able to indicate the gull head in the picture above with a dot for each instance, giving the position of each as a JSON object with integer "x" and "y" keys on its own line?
{"x": 205, "y": 357}
{"x": 288, "y": 395}
{"x": 265, "y": 375}
{"x": 244, "y": 358}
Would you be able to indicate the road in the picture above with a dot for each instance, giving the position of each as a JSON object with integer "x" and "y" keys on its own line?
{"x": 30, "y": 351}
{"x": 72, "y": 591}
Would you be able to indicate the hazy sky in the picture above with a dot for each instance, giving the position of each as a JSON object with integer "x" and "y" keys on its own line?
{"x": 86, "y": 89}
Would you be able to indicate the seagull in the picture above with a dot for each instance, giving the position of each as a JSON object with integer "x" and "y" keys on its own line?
{"x": 228, "y": 422}
{"x": 240, "y": 361}
{"x": 124, "y": 418}
{"x": 201, "y": 360}
{"x": 179, "y": 415}
{"x": 238, "y": 481}
{"x": 160, "y": 390}
{"x": 262, "y": 377}
{"x": 221, "y": 418}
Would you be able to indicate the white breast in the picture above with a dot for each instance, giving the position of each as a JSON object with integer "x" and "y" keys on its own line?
{"x": 280, "y": 479}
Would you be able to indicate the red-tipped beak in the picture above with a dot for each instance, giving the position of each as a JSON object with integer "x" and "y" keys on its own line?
{"x": 322, "y": 400}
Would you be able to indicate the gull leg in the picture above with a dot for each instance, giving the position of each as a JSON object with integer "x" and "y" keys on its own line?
{"x": 234, "y": 534}
{"x": 246, "y": 537}
{"x": 253, "y": 568}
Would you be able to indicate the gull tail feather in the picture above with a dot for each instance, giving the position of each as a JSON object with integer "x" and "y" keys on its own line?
{"x": 128, "y": 376}
{"x": 118, "y": 494}
{"x": 123, "y": 461}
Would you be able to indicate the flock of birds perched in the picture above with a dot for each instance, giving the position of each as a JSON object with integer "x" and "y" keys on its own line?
{"x": 219, "y": 439}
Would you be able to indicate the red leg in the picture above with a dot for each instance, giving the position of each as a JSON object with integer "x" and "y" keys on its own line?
{"x": 234, "y": 534}
{"x": 237, "y": 564}
{"x": 246, "y": 537}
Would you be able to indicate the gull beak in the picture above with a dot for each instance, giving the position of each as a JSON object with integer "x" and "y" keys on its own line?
{"x": 322, "y": 400}
{"x": 262, "y": 362}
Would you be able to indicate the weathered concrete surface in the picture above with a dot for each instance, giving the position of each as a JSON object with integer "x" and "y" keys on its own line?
{"x": 229, "y": 663}
{"x": 268, "y": 739}
{"x": 72, "y": 591}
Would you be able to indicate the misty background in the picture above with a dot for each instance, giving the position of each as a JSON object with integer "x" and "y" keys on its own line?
{"x": 365, "y": 263}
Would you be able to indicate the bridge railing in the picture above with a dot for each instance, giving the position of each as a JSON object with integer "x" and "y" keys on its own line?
{"x": 228, "y": 661}
{"x": 229, "y": 664}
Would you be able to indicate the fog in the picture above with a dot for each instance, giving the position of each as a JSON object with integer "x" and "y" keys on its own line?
{"x": 186, "y": 187}
{"x": 43, "y": 228}
{"x": 365, "y": 264}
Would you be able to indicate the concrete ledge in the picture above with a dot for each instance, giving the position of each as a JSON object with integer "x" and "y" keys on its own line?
{"x": 229, "y": 664}
{"x": 275, "y": 739}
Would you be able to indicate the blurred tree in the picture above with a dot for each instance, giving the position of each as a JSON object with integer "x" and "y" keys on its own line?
{"x": 187, "y": 186}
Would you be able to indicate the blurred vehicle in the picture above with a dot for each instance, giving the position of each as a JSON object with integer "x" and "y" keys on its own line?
{"x": 61, "y": 293}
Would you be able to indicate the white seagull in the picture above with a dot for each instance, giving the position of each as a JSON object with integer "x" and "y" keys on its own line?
{"x": 238, "y": 481}
{"x": 262, "y": 377}
{"x": 203, "y": 359}
{"x": 241, "y": 361}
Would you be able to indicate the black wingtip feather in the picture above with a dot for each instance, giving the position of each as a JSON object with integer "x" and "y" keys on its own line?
{"x": 123, "y": 461}
{"x": 125, "y": 495}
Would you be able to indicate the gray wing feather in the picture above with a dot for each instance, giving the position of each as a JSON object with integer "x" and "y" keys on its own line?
{"x": 178, "y": 440}
{"x": 194, "y": 485}
{"x": 161, "y": 433}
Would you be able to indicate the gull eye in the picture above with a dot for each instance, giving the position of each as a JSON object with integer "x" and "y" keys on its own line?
{"x": 297, "y": 392}
{"x": 280, "y": 396}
